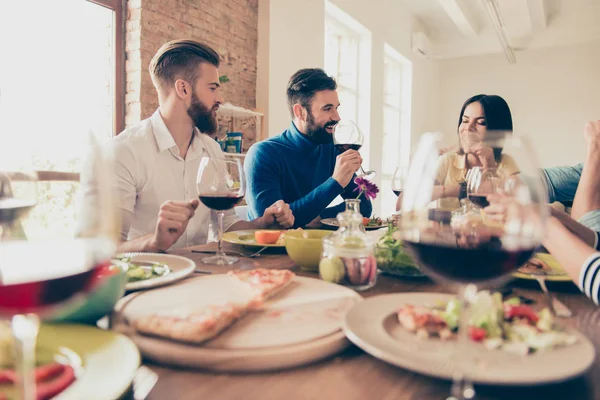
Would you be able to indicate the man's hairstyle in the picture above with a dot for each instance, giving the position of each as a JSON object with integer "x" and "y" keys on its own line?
{"x": 303, "y": 85}
{"x": 179, "y": 59}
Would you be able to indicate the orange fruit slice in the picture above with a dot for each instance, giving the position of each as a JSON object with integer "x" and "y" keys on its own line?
{"x": 267, "y": 237}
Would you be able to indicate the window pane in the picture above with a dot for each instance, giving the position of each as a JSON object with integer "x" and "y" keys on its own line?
{"x": 347, "y": 108}
{"x": 393, "y": 84}
{"x": 348, "y": 67}
{"x": 332, "y": 49}
{"x": 391, "y": 140}
{"x": 59, "y": 84}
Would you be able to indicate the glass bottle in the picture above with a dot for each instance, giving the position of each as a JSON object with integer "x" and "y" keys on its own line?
{"x": 348, "y": 254}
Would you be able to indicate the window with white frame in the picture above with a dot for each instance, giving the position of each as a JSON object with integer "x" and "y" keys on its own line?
{"x": 60, "y": 80}
{"x": 397, "y": 81}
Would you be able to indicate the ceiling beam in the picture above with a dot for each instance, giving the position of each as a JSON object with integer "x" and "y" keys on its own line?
{"x": 538, "y": 14}
{"x": 461, "y": 15}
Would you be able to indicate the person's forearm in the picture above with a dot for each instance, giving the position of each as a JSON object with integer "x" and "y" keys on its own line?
{"x": 570, "y": 251}
{"x": 587, "y": 197}
{"x": 144, "y": 243}
{"x": 584, "y": 233}
{"x": 257, "y": 223}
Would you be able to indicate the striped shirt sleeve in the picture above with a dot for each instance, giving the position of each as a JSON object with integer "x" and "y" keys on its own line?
{"x": 589, "y": 277}
{"x": 597, "y": 242}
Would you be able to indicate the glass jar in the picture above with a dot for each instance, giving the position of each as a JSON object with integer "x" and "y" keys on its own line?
{"x": 348, "y": 254}
{"x": 353, "y": 205}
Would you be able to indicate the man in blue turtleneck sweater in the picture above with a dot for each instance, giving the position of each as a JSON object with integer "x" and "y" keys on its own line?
{"x": 301, "y": 166}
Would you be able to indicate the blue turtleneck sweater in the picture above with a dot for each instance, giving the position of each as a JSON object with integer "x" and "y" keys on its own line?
{"x": 291, "y": 168}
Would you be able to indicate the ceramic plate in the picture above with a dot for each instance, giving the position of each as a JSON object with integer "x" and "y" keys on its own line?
{"x": 558, "y": 273}
{"x": 373, "y": 326}
{"x": 300, "y": 325}
{"x": 108, "y": 360}
{"x": 179, "y": 267}
{"x": 334, "y": 223}
{"x": 246, "y": 238}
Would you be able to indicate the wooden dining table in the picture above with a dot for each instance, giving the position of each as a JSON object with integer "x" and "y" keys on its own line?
{"x": 354, "y": 374}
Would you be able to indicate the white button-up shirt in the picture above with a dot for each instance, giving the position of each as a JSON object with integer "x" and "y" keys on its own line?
{"x": 150, "y": 171}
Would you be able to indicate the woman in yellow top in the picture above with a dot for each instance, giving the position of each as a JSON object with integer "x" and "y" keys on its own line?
{"x": 479, "y": 114}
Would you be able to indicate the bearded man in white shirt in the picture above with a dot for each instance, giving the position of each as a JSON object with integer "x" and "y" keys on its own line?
{"x": 157, "y": 160}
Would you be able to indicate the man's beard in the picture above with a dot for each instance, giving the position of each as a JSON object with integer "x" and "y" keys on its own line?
{"x": 203, "y": 117}
{"x": 316, "y": 133}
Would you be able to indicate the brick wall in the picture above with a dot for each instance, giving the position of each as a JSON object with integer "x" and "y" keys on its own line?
{"x": 229, "y": 26}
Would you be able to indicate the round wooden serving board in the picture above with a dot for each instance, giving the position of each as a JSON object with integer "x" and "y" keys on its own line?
{"x": 301, "y": 324}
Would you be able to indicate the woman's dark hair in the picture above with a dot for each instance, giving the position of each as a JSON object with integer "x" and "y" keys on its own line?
{"x": 497, "y": 116}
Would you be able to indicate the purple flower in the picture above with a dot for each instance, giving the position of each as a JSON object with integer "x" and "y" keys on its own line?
{"x": 367, "y": 187}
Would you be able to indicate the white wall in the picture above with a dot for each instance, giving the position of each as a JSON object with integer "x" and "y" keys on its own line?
{"x": 296, "y": 40}
{"x": 552, "y": 93}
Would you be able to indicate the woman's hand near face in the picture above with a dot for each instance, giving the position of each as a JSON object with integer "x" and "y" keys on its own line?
{"x": 485, "y": 155}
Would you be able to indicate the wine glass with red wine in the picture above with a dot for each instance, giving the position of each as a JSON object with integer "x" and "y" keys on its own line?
{"x": 347, "y": 136}
{"x": 480, "y": 183}
{"x": 398, "y": 180}
{"x": 44, "y": 276}
{"x": 221, "y": 186}
{"x": 468, "y": 253}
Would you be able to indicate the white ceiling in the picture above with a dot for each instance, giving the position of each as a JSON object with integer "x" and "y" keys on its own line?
{"x": 458, "y": 28}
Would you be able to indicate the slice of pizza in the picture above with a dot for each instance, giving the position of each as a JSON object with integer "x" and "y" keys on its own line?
{"x": 265, "y": 283}
{"x": 191, "y": 326}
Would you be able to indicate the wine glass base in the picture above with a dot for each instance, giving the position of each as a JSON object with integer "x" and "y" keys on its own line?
{"x": 220, "y": 260}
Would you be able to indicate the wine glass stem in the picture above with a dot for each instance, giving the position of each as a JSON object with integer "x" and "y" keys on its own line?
{"x": 25, "y": 329}
{"x": 462, "y": 387}
{"x": 220, "y": 233}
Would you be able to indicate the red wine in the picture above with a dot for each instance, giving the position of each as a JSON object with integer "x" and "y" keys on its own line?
{"x": 12, "y": 209}
{"x": 483, "y": 263}
{"x": 397, "y": 192}
{"x": 343, "y": 147}
{"x": 220, "y": 201}
{"x": 479, "y": 200}
{"x": 49, "y": 278}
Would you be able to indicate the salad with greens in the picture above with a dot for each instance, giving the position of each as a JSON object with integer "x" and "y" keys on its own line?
{"x": 136, "y": 272}
{"x": 391, "y": 256}
{"x": 506, "y": 325}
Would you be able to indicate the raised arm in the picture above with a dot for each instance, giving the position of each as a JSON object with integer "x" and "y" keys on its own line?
{"x": 587, "y": 197}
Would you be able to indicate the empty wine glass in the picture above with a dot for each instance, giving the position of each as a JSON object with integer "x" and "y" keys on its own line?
{"x": 48, "y": 276}
{"x": 346, "y": 136}
{"x": 221, "y": 186}
{"x": 473, "y": 252}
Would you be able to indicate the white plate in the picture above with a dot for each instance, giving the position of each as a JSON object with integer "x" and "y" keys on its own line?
{"x": 180, "y": 267}
{"x": 373, "y": 326}
{"x": 302, "y": 324}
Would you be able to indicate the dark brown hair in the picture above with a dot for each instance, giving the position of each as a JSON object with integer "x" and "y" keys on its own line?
{"x": 303, "y": 85}
{"x": 497, "y": 116}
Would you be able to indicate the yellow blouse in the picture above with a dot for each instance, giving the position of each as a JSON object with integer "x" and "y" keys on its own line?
{"x": 452, "y": 171}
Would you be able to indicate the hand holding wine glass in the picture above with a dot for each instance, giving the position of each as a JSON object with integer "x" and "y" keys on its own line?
{"x": 221, "y": 186}
{"x": 347, "y": 136}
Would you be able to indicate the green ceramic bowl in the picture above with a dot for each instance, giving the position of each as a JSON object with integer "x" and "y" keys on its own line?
{"x": 100, "y": 302}
{"x": 305, "y": 247}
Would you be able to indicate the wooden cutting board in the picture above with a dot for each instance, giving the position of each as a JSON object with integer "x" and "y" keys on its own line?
{"x": 301, "y": 324}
